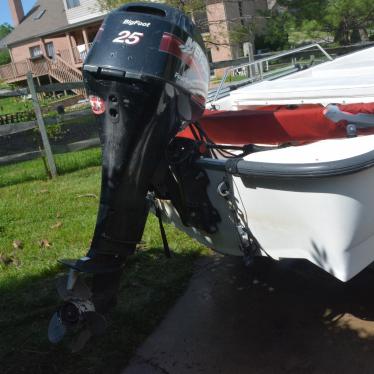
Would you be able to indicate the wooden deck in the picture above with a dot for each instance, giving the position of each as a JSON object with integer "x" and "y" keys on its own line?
{"x": 64, "y": 67}
{"x": 15, "y": 72}
{"x": 58, "y": 68}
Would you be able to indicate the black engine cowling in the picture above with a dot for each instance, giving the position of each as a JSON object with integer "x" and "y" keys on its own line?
{"x": 146, "y": 74}
{"x": 149, "y": 42}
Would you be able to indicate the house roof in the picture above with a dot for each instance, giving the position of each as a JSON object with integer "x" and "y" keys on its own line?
{"x": 38, "y": 23}
{"x": 33, "y": 26}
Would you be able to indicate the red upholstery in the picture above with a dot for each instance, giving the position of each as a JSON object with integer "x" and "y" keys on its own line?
{"x": 275, "y": 124}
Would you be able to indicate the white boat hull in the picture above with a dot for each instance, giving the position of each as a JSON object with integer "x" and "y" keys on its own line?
{"x": 326, "y": 219}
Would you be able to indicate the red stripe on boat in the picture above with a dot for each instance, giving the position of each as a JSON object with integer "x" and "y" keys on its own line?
{"x": 276, "y": 124}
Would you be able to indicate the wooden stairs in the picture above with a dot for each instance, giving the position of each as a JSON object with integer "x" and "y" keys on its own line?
{"x": 63, "y": 72}
{"x": 58, "y": 68}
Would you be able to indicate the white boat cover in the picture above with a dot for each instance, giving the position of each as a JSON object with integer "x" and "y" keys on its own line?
{"x": 348, "y": 79}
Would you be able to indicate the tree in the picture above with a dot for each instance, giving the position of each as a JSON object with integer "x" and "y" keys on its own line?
{"x": 304, "y": 9}
{"x": 241, "y": 28}
{"x": 276, "y": 35}
{"x": 187, "y": 6}
{"x": 348, "y": 21}
{"x": 5, "y": 29}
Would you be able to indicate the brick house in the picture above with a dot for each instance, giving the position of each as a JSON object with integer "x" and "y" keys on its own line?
{"x": 53, "y": 38}
{"x": 223, "y": 17}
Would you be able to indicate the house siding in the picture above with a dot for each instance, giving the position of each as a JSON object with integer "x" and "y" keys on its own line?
{"x": 224, "y": 17}
{"x": 87, "y": 9}
{"x": 22, "y": 52}
{"x": 233, "y": 17}
{"x": 218, "y": 27}
{"x": 61, "y": 46}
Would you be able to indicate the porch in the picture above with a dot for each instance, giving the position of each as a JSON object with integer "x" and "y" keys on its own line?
{"x": 16, "y": 71}
{"x": 66, "y": 51}
{"x": 79, "y": 42}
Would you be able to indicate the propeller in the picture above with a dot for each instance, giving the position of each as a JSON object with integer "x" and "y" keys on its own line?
{"x": 79, "y": 291}
{"x": 56, "y": 329}
{"x": 77, "y": 316}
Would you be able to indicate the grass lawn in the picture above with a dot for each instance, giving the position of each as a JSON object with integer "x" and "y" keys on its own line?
{"x": 62, "y": 212}
{"x": 17, "y": 104}
{"x": 13, "y": 105}
{"x": 35, "y": 170}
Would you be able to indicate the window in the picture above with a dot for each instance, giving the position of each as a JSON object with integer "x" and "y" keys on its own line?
{"x": 240, "y": 4}
{"x": 38, "y": 15}
{"x": 50, "y": 50}
{"x": 209, "y": 55}
{"x": 35, "y": 51}
{"x": 72, "y": 3}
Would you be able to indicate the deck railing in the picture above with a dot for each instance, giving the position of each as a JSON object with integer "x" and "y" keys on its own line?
{"x": 78, "y": 56}
{"x": 6, "y": 72}
{"x": 58, "y": 68}
{"x": 17, "y": 71}
{"x": 66, "y": 56}
{"x": 21, "y": 68}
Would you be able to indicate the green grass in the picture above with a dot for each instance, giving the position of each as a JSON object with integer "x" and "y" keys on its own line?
{"x": 29, "y": 213}
{"x": 35, "y": 170}
{"x": 69, "y": 162}
{"x": 15, "y": 104}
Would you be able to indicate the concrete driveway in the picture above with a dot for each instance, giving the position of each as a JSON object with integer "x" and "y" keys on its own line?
{"x": 281, "y": 318}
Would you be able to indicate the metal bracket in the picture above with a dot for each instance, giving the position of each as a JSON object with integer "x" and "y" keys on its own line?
{"x": 72, "y": 279}
{"x": 351, "y": 130}
{"x": 335, "y": 114}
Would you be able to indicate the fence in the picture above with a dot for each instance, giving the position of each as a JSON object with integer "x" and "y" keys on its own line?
{"x": 7, "y": 119}
{"x": 44, "y": 146}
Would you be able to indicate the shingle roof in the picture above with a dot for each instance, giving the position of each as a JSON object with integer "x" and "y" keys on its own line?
{"x": 52, "y": 19}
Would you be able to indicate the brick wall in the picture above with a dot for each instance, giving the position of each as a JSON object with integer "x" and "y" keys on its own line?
{"x": 223, "y": 18}
{"x": 219, "y": 32}
{"x": 22, "y": 52}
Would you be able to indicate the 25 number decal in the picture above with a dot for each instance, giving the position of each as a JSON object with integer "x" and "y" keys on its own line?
{"x": 128, "y": 37}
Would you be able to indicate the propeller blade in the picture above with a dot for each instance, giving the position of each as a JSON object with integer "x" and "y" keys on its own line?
{"x": 80, "y": 341}
{"x": 61, "y": 288}
{"x": 96, "y": 323}
{"x": 56, "y": 329}
{"x": 80, "y": 290}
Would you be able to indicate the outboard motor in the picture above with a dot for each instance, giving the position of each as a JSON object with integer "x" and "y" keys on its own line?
{"x": 146, "y": 75}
